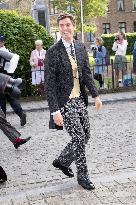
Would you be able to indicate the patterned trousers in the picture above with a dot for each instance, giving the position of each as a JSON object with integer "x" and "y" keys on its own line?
{"x": 7, "y": 128}
{"x": 76, "y": 122}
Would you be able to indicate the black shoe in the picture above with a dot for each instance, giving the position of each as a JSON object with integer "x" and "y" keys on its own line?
{"x": 86, "y": 184}
{"x": 20, "y": 141}
{"x": 23, "y": 119}
{"x": 3, "y": 176}
{"x": 66, "y": 170}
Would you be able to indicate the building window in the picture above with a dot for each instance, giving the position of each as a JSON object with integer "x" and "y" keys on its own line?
{"x": 122, "y": 26}
{"x": 90, "y": 37}
{"x": 106, "y": 28}
{"x": 70, "y": 8}
{"x": 52, "y": 8}
{"x": 134, "y": 5}
{"x": 41, "y": 18}
{"x": 108, "y": 8}
{"x": 120, "y": 5}
{"x": 134, "y": 26}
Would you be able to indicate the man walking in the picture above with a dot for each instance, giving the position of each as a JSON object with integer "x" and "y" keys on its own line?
{"x": 67, "y": 74}
{"x": 3, "y": 98}
{"x": 11, "y": 132}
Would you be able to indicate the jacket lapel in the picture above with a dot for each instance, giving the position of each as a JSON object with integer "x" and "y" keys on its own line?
{"x": 79, "y": 56}
{"x": 64, "y": 56}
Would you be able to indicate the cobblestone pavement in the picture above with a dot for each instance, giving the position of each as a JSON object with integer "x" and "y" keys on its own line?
{"x": 111, "y": 158}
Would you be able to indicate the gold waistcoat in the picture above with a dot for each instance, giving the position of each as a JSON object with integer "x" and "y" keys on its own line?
{"x": 76, "y": 88}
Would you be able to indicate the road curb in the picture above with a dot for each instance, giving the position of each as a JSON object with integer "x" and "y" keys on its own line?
{"x": 35, "y": 109}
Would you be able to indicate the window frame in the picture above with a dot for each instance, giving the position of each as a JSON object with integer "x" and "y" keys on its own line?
{"x": 134, "y": 26}
{"x": 52, "y": 9}
{"x": 123, "y": 6}
{"x": 90, "y": 36}
{"x": 133, "y": 5}
{"x": 121, "y": 27}
{"x": 105, "y": 28}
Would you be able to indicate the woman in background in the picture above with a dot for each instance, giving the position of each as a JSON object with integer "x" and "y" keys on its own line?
{"x": 37, "y": 63}
{"x": 99, "y": 54}
{"x": 120, "y": 62}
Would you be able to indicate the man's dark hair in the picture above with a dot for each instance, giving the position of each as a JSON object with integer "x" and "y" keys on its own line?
{"x": 66, "y": 15}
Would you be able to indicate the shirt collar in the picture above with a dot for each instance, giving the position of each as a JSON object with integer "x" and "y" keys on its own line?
{"x": 66, "y": 44}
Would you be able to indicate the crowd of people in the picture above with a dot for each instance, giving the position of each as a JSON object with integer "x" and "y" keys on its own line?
{"x": 67, "y": 71}
{"x": 120, "y": 61}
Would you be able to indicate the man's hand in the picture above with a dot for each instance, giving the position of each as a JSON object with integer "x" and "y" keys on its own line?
{"x": 98, "y": 103}
{"x": 58, "y": 119}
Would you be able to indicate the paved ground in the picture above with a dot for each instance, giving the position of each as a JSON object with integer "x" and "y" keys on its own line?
{"x": 111, "y": 157}
{"x": 106, "y": 98}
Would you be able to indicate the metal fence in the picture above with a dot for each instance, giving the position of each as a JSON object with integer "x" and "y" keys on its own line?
{"x": 109, "y": 76}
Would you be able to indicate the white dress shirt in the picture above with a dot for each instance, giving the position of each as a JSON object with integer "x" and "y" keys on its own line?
{"x": 120, "y": 49}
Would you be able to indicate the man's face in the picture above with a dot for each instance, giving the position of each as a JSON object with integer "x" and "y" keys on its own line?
{"x": 66, "y": 29}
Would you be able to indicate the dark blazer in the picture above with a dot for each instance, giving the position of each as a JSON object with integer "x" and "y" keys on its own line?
{"x": 59, "y": 77}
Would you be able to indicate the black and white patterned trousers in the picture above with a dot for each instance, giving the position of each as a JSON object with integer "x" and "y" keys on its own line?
{"x": 76, "y": 122}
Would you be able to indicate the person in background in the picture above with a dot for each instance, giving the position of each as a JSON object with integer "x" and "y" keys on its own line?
{"x": 120, "y": 61}
{"x": 67, "y": 73}
{"x": 37, "y": 63}
{"x": 14, "y": 103}
{"x": 11, "y": 132}
{"x": 99, "y": 54}
{"x": 134, "y": 58}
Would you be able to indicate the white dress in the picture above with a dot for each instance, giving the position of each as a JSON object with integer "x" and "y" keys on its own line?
{"x": 37, "y": 57}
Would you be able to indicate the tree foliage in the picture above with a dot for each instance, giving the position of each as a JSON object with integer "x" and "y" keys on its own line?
{"x": 91, "y": 8}
{"x": 21, "y": 33}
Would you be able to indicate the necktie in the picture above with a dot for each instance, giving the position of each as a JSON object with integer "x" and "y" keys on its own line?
{"x": 72, "y": 51}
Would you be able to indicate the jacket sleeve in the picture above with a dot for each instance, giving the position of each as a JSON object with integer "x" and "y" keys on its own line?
{"x": 6, "y": 55}
{"x": 102, "y": 53}
{"x": 50, "y": 81}
{"x": 87, "y": 76}
{"x": 115, "y": 46}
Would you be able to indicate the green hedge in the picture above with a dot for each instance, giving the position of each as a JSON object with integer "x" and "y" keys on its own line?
{"x": 109, "y": 40}
{"x": 21, "y": 33}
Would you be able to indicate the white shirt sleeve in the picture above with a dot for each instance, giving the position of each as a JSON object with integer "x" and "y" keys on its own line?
{"x": 54, "y": 113}
{"x": 120, "y": 49}
{"x": 115, "y": 46}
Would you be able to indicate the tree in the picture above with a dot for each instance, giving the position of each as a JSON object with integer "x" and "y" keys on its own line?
{"x": 21, "y": 6}
{"x": 91, "y": 8}
{"x": 21, "y": 33}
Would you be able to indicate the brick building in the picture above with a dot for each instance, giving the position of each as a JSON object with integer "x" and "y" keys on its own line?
{"x": 121, "y": 15}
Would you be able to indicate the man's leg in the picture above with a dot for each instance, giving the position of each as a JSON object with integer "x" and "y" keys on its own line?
{"x": 10, "y": 131}
{"x": 3, "y": 103}
{"x": 3, "y": 175}
{"x": 117, "y": 77}
{"x": 17, "y": 109}
{"x": 77, "y": 125}
{"x": 100, "y": 80}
